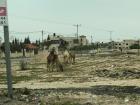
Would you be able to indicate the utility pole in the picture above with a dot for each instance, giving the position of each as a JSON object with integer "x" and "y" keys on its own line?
{"x": 112, "y": 44}
{"x": 42, "y": 35}
{"x": 77, "y": 26}
{"x": 4, "y": 23}
{"x": 110, "y": 32}
{"x": 42, "y": 39}
{"x": 8, "y": 61}
{"x": 91, "y": 39}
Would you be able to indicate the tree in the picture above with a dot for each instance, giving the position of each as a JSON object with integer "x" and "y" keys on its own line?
{"x": 2, "y": 47}
{"x": 48, "y": 38}
{"x": 27, "y": 40}
{"x": 54, "y": 34}
{"x": 84, "y": 47}
{"x": 15, "y": 46}
{"x": 135, "y": 46}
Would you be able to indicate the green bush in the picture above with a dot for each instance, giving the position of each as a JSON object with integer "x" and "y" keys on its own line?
{"x": 135, "y": 46}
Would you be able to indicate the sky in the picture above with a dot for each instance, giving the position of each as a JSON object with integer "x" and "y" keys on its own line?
{"x": 97, "y": 18}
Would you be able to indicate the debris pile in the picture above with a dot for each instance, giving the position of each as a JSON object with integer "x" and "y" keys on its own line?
{"x": 119, "y": 74}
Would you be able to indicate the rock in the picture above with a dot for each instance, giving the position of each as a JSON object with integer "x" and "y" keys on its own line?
{"x": 88, "y": 103}
{"x": 126, "y": 99}
{"x": 26, "y": 91}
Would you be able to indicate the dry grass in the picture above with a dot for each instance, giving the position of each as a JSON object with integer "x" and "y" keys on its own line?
{"x": 113, "y": 76}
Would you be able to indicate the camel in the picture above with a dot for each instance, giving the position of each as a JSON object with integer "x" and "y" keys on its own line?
{"x": 66, "y": 56}
{"x": 72, "y": 57}
{"x": 69, "y": 57}
{"x": 52, "y": 61}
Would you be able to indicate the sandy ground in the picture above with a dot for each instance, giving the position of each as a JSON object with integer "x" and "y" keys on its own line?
{"x": 87, "y": 72}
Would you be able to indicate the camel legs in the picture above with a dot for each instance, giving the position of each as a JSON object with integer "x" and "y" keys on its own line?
{"x": 73, "y": 59}
{"x": 65, "y": 59}
{"x": 59, "y": 67}
{"x": 50, "y": 67}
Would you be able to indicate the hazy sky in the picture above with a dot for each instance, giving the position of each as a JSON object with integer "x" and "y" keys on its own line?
{"x": 97, "y": 17}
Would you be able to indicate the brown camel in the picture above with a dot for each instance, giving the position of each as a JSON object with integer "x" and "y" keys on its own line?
{"x": 52, "y": 61}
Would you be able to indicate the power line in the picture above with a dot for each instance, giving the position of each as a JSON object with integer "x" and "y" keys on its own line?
{"x": 37, "y": 32}
{"x": 15, "y": 32}
{"x": 51, "y": 21}
{"x": 91, "y": 28}
{"x": 40, "y": 20}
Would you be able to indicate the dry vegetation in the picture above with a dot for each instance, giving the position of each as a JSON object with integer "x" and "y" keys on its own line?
{"x": 92, "y": 80}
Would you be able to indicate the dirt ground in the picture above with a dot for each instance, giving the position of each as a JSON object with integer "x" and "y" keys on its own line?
{"x": 92, "y": 80}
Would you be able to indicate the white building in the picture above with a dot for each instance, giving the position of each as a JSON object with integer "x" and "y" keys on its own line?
{"x": 83, "y": 40}
{"x": 72, "y": 41}
{"x": 55, "y": 41}
{"x": 125, "y": 44}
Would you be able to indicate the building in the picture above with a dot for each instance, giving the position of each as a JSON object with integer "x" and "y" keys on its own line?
{"x": 53, "y": 41}
{"x": 125, "y": 44}
{"x": 72, "y": 41}
{"x": 83, "y": 40}
{"x": 57, "y": 40}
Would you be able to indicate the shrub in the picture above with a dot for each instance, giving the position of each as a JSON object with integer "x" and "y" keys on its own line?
{"x": 23, "y": 65}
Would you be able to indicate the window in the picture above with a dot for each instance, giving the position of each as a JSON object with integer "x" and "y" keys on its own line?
{"x": 75, "y": 41}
